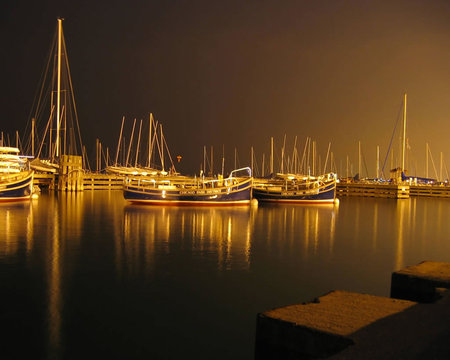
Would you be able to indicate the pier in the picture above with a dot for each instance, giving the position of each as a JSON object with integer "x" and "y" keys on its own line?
{"x": 411, "y": 324}
{"x": 392, "y": 191}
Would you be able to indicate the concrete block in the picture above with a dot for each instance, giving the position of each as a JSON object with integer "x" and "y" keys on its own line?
{"x": 320, "y": 328}
{"x": 422, "y": 282}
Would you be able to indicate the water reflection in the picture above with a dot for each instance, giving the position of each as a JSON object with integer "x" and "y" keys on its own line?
{"x": 305, "y": 229}
{"x": 205, "y": 232}
{"x": 15, "y": 217}
{"x": 71, "y": 245}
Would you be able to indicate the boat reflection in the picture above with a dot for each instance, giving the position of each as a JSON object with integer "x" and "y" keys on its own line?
{"x": 206, "y": 232}
{"x": 303, "y": 229}
{"x": 15, "y": 217}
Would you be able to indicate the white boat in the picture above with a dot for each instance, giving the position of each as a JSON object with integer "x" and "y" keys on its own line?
{"x": 16, "y": 179}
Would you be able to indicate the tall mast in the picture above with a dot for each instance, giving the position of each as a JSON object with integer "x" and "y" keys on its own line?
{"x": 314, "y": 158}
{"x": 271, "y": 155}
{"x": 212, "y": 161}
{"x": 378, "y": 161}
{"x": 150, "y": 140}
{"x": 251, "y": 162}
{"x": 118, "y": 145}
{"x": 58, "y": 92}
{"x": 162, "y": 147}
{"x": 138, "y": 143}
{"x": 359, "y": 159}
{"x": 131, "y": 142}
{"x": 204, "y": 160}
{"x": 404, "y": 134}
{"x": 223, "y": 158}
{"x": 32, "y": 137}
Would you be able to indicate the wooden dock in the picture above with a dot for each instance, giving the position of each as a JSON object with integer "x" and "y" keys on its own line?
{"x": 90, "y": 181}
{"x": 439, "y": 191}
{"x": 393, "y": 191}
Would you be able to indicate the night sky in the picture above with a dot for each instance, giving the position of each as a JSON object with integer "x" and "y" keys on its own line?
{"x": 234, "y": 73}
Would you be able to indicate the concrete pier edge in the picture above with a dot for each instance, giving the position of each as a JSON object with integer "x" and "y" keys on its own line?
{"x": 413, "y": 323}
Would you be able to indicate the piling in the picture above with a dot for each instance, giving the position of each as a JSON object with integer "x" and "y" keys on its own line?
{"x": 70, "y": 173}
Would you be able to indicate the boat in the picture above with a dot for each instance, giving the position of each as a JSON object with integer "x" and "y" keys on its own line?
{"x": 294, "y": 188}
{"x": 54, "y": 127}
{"x": 236, "y": 189}
{"x": 16, "y": 179}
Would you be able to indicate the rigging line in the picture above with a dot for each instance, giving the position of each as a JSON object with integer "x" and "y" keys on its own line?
{"x": 392, "y": 138}
{"x": 432, "y": 162}
{"x": 154, "y": 142}
{"x": 45, "y": 132}
{"x": 445, "y": 166}
{"x": 168, "y": 152}
{"x": 71, "y": 93}
{"x": 365, "y": 164}
{"x": 40, "y": 89}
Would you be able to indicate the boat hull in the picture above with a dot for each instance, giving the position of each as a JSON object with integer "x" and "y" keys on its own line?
{"x": 322, "y": 195}
{"x": 237, "y": 194}
{"x": 16, "y": 188}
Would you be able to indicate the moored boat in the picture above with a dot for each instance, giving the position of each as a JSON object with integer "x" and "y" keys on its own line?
{"x": 289, "y": 188}
{"x": 16, "y": 182}
{"x": 180, "y": 190}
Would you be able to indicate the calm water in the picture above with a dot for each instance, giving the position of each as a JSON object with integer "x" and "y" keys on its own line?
{"x": 87, "y": 275}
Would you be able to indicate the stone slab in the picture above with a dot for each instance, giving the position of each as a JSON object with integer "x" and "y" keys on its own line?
{"x": 320, "y": 328}
{"x": 421, "y": 282}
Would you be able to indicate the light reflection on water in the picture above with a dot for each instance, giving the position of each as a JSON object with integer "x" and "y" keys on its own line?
{"x": 94, "y": 271}
{"x": 221, "y": 235}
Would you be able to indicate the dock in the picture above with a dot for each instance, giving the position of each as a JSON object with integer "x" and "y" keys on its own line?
{"x": 89, "y": 181}
{"x": 393, "y": 191}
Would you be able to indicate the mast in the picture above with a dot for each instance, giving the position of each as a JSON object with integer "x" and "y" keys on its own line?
{"x": 204, "y": 160}
{"x": 212, "y": 162}
{"x": 404, "y": 134}
{"x": 271, "y": 155}
{"x": 120, "y": 138}
{"x": 347, "y": 167}
{"x": 138, "y": 143}
{"x": 326, "y": 159}
{"x": 378, "y": 162}
{"x": 262, "y": 167}
{"x": 162, "y": 147}
{"x": 32, "y": 136}
{"x": 223, "y": 158}
{"x": 58, "y": 92}
{"x": 314, "y": 158}
{"x": 131, "y": 142}
{"x": 251, "y": 162}
{"x": 359, "y": 159}
{"x": 150, "y": 140}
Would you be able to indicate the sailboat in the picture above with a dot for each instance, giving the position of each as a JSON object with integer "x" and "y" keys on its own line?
{"x": 285, "y": 187}
{"x": 128, "y": 169}
{"x": 294, "y": 188}
{"x": 16, "y": 179}
{"x": 54, "y": 112}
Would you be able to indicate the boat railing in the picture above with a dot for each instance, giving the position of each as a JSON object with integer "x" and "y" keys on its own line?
{"x": 14, "y": 176}
{"x": 246, "y": 169}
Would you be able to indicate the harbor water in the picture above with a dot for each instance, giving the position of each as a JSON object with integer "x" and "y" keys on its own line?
{"x": 88, "y": 275}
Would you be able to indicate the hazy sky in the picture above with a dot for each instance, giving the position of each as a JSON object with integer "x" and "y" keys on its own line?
{"x": 235, "y": 73}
